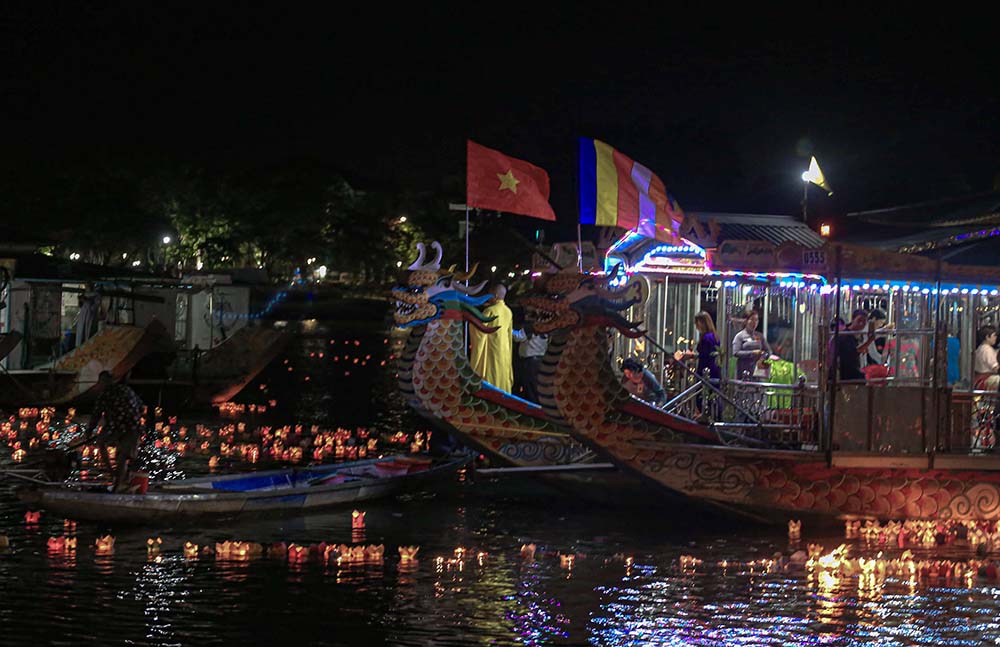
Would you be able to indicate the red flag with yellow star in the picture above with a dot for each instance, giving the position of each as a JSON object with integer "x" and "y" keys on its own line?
{"x": 500, "y": 183}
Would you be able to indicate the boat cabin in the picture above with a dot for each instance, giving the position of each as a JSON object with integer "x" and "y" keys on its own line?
{"x": 918, "y": 393}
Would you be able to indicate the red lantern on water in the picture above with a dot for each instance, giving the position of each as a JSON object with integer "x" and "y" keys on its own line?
{"x": 357, "y": 520}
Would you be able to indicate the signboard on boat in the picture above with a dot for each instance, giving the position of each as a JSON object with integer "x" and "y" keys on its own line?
{"x": 765, "y": 256}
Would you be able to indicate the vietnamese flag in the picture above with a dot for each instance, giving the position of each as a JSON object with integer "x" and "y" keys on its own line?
{"x": 500, "y": 183}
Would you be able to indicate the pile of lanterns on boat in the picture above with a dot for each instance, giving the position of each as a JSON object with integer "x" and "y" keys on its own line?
{"x": 34, "y": 428}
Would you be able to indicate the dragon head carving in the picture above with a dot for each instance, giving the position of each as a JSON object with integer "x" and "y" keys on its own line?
{"x": 569, "y": 300}
{"x": 433, "y": 293}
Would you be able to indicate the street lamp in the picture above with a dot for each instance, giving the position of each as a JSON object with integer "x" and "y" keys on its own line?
{"x": 812, "y": 176}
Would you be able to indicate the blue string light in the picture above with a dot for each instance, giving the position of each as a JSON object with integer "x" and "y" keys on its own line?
{"x": 268, "y": 307}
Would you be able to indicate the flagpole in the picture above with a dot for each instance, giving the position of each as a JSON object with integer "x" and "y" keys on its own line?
{"x": 805, "y": 201}
{"x": 465, "y": 207}
{"x": 579, "y": 248}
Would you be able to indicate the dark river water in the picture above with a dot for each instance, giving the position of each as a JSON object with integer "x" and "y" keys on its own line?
{"x": 634, "y": 577}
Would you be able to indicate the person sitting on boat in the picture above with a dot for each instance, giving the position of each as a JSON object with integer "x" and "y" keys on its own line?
{"x": 641, "y": 383}
{"x": 984, "y": 362}
{"x": 121, "y": 410}
{"x": 849, "y": 349}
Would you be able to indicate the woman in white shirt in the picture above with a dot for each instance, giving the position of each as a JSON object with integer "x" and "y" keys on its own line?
{"x": 984, "y": 362}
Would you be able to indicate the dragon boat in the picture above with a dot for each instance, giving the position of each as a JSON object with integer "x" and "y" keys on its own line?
{"x": 437, "y": 381}
{"x": 901, "y": 464}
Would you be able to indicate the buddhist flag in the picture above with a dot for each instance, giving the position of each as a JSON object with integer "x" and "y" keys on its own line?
{"x": 501, "y": 183}
{"x": 815, "y": 175}
{"x": 616, "y": 191}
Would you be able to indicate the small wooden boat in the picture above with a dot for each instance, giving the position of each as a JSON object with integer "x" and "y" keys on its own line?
{"x": 72, "y": 377}
{"x": 285, "y": 490}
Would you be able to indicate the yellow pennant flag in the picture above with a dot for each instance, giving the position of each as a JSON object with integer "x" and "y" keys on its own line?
{"x": 815, "y": 175}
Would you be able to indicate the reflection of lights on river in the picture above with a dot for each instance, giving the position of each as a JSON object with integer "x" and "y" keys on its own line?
{"x": 161, "y": 586}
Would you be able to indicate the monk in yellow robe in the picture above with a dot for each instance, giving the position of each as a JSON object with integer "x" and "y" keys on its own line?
{"x": 491, "y": 353}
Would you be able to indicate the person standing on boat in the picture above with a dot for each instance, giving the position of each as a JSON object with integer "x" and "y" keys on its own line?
{"x": 121, "y": 410}
{"x": 846, "y": 356}
{"x": 641, "y": 383}
{"x": 707, "y": 351}
{"x": 749, "y": 348}
{"x": 491, "y": 354}
{"x": 530, "y": 350}
{"x": 876, "y": 352}
{"x": 984, "y": 362}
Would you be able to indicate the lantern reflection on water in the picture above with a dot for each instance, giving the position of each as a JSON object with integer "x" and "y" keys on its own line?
{"x": 4, "y": 542}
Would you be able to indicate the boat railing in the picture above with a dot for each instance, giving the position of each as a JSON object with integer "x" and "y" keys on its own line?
{"x": 703, "y": 401}
{"x": 685, "y": 403}
{"x": 789, "y": 413}
{"x": 973, "y": 418}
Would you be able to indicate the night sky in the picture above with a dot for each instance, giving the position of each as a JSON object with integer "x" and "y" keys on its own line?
{"x": 721, "y": 107}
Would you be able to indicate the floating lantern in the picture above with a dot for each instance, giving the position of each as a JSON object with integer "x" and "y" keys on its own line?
{"x": 566, "y": 561}
{"x": 222, "y": 549}
{"x": 278, "y": 550}
{"x": 18, "y": 455}
{"x": 481, "y": 557}
{"x": 190, "y": 550}
{"x": 528, "y": 551}
{"x": 69, "y": 525}
{"x": 374, "y": 553}
{"x": 318, "y": 551}
{"x": 357, "y": 520}
{"x": 297, "y": 554}
{"x": 56, "y": 544}
{"x": 794, "y": 530}
{"x": 239, "y": 551}
{"x": 104, "y": 545}
{"x": 408, "y": 554}
{"x": 32, "y": 517}
{"x": 459, "y": 553}
{"x": 153, "y": 545}
{"x": 4, "y": 542}
{"x": 213, "y": 462}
